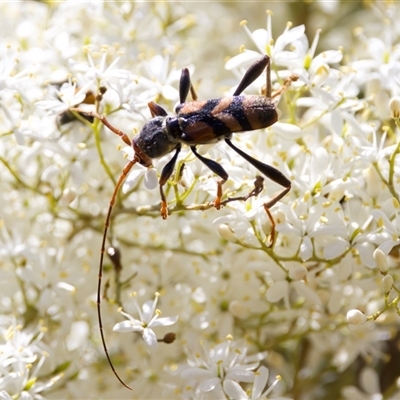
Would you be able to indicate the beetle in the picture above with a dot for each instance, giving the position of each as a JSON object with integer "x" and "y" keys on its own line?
{"x": 196, "y": 123}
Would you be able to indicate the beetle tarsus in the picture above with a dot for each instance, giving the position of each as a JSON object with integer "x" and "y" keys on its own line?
{"x": 287, "y": 82}
{"x": 217, "y": 201}
{"x": 271, "y": 238}
{"x": 164, "y": 209}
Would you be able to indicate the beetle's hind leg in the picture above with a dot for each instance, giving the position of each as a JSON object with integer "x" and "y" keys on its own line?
{"x": 185, "y": 86}
{"x": 258, "y": 188}
{"x": 254, "y": 71}
{"x": 286, "y": 83}
{"x": 273, "y": 174}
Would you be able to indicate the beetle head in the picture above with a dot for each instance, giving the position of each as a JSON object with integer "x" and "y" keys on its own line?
{"x": 154, "y": 141}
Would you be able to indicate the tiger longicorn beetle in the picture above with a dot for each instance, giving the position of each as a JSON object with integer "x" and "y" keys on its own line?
{"x": 197, "y": 123}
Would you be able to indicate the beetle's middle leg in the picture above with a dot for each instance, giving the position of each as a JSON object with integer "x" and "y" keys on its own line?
{"x": 218, "y": 170}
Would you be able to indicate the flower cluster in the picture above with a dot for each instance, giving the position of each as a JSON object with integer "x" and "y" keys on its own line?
{"x": 21, "y": 360}
{"x": 215, "y": 373}
{"x": 313, "y": 308}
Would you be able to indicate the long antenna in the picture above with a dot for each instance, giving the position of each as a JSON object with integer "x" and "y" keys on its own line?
{"x": 121, "y": 179}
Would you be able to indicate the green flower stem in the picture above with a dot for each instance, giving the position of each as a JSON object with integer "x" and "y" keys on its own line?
{"x": 386, "y": 182}
{"x": 392, "y": 165}
{"x": 96, "y": 128}
{"x": 388, "y": 305}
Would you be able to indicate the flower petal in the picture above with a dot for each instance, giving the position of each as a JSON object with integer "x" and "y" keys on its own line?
{"x": 148, "y": 309}
{"x": 150, "y": 179}
{"x": 260, "y": 381}
{"x": 234, "y": 390}
{"x": 165, "y": 321}
{"x": 149, "y": 337}
{"x": 208, "y": 385}
{"x": 128, "y": 326}
{"x": 277, "y": 291}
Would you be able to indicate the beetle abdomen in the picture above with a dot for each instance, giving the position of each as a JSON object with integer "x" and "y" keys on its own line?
{"x": 212, "y": 120}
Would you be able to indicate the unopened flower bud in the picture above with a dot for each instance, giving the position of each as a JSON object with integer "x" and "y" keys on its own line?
{"x": 387, "y": 283}
{"x": 381, "y": 262}
{"x": 394, "y": 106}
{"x": 381, "y": 100}
{"x": 238, "y": 309}
{"x": 168, "y": 338}
{"x": 356, "y": 317}
{"x": 227, "y": 233}
{"x": 280, "y": 217}
{"x": 68, "y": 196}
{"x": 373, "y": 86}
{"x": 298, "y": 273}
{"x": 373, "y": 182}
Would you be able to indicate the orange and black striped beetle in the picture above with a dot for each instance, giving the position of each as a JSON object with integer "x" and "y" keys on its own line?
{"x": 197, "y": 123}
{"x": 68, "y": 116}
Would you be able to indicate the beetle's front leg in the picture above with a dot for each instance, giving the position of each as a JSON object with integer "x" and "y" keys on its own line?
{"x": 165, "y": 174}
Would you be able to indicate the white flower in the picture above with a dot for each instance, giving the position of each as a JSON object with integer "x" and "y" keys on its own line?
{"x": 265, "y": 43}
{"x": 100, "y": 71}
{"x": 235, "y": 391}
{"x": 390, "y": 235}
{"x": 164, "y": 81}
{"x": 224, "y": 362}
{"x": 303, "y": 221}
{"x": 361, "y": 341}
{"x": 369, "y": 383}
{"x": 148, "y": 320}
{"x": 335, "y": 141}
{"x": 9, "y": 78}
{"x": 356, "y": 317}
{"x": 21, "y": 361}
{"x": 299, "y": 57}
{"x": 67, "y": 96}
{"x": 381, "y": 261}
{"x": 137, "y": 172}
